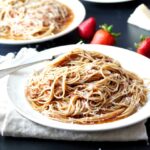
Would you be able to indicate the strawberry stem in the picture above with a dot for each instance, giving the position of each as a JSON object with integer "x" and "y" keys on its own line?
{"x": 136, "y": 45}
{"x": 116, "y": 34}
{"x": 80, "y": 42}
{"x": 143, "y": 37}
{"x": 109, "y": 28}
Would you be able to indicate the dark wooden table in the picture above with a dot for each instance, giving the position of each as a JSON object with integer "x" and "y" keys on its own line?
{"x": 117, "y": 15}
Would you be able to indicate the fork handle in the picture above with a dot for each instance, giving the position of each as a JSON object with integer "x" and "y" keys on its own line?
{"x": 4, "y": 72}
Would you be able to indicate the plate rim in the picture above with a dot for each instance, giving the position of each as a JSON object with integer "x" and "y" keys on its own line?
{"x": 109, "y": 1}
{"x": 76, "y": 127}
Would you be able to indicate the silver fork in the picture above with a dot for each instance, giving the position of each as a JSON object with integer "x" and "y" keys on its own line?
{"x": 6, "y": 71}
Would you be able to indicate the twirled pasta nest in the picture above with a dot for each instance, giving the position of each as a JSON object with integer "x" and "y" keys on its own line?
{"x": 85, "y": 87}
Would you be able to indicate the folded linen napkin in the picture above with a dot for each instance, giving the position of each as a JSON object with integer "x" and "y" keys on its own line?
{"x": 140, "y": 17}
{"x": 13, "y": 124}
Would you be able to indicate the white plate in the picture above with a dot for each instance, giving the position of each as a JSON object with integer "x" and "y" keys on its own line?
{"x": 108, "y": 1}
{"x": 79, "y": 14}
{"x": 129, "y": 60}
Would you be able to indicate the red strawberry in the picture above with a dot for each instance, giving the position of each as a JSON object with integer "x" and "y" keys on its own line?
{"x": 87, "y": 28}
{"x": 105, "y": 36}
{"x": 144, "y": 47}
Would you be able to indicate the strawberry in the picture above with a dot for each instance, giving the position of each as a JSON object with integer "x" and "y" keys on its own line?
{"x": 143, "y": 47}
{"x": 87, "y": 28}
{"x": 105, "y": 36}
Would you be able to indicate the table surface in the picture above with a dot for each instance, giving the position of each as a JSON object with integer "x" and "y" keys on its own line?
{"x": 115, "y": 14}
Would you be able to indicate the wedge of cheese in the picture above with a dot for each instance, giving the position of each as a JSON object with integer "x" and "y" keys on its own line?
{"x": 140, "y": 17}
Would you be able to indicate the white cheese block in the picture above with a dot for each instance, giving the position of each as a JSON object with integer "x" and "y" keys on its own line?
{"x": 140, "y": 17}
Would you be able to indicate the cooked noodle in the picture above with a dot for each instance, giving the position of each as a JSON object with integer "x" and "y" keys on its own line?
{"x": 86, "y": 87}
{"x": 32, "y": 19}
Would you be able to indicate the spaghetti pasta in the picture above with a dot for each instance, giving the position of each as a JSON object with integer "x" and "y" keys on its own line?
{"x": 85, "y": 87}
{"x": 32, "y": 19}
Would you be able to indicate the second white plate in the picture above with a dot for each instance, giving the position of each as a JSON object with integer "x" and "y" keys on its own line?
{"x": 79, "y": 14}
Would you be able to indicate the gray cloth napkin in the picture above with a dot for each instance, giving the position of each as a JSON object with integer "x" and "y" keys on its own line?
{"x": 15, "y": 125}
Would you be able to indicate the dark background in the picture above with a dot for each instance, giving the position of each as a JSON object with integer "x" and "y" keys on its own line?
{"x": 115, "y": 14}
